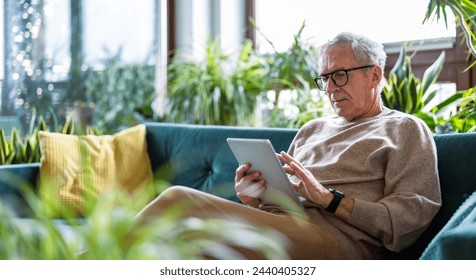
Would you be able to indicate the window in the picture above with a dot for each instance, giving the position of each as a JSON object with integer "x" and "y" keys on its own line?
{"x": 394, "y": 21}
{"x": 57, "y": 32}
{"x": 54, "y": 48}
{"x": 113, "y": 25}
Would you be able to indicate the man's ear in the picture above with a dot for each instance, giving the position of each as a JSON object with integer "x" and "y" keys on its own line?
{"x": 376, "y": 75}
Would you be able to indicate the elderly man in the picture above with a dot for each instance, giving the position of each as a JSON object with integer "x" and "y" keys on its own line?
{"x": 367, "y": 177}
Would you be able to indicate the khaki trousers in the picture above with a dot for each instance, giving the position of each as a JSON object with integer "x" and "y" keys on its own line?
{"x": 306, "y": 240}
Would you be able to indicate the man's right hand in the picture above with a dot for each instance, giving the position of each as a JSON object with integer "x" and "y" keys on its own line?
{"x": 249, "y": 187}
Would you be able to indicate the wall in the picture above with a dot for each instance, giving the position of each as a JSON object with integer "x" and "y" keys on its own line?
{"x": 454, "y": 69}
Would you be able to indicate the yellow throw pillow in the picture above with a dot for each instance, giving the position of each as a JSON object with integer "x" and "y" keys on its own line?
{"x": 76, "y": 169}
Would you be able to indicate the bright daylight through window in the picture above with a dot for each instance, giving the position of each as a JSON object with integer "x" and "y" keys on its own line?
{"x": 384, "y": 21}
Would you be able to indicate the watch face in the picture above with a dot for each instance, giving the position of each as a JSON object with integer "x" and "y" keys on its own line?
{"x": 336, "y": 192}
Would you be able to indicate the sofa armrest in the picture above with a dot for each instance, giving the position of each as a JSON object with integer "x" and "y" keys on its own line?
{"x": 13, "y": 181}
{"x": 457, "y": 239}
{"x": 458, "y": 243}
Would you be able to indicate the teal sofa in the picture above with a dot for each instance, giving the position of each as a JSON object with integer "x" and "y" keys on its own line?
{"x": 199, "y": 157}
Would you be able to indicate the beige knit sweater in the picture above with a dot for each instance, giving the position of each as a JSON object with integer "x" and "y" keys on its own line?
{"x": 387, "y": 163}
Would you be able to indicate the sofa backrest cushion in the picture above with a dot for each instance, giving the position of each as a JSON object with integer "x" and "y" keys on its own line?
{"x": 457, "y": 171}
{"x": 198, "y": 156}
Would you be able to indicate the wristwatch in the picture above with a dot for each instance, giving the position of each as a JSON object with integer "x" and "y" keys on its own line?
{"x": 338, "y": 195}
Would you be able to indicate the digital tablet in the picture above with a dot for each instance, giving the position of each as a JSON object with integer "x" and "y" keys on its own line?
{"x": 262, "y": 157}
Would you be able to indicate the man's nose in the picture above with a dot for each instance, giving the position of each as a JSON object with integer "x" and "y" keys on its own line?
{"x": 331, "y": 87}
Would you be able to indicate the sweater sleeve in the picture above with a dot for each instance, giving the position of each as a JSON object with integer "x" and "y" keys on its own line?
{"x": 411, "y": 195}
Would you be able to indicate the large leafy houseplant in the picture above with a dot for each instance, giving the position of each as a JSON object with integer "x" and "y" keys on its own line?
{"x": 290, "y": 95}
{"x": 292, "y": 68}
{"x": 217, "y": 90}
{"x": 463, "y": 120}
{"x": 463, "y": 117}
{"x": 404, "y": 91}
{"x": 121, "y": 94}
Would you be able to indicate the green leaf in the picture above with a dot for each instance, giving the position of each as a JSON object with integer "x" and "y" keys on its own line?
{"x": 448, "y": 101}
{"x": 397, "y": 69}
{"x": 3, "y": 142}
{"x": 68, "y": 127}
{"x": 429, "y": 97}
{"x": 10, "y": 158}
{"x": 431, "y": 74}
{"x": 28, "y": 152}
{"x": 2, "y": 156}
{"x": 413, "y": 98}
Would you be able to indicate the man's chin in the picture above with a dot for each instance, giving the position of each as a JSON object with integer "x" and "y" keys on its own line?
{"x": 343, "y": 114}
{"x": 339, "y": 111}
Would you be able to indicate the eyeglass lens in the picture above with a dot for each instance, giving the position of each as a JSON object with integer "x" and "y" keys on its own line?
{"x": 339, "y": 78}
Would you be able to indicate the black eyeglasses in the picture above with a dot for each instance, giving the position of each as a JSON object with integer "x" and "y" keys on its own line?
{"x": 339, "y": 77}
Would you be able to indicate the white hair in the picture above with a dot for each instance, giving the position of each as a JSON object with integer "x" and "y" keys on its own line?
{"x": 366, "y": 51}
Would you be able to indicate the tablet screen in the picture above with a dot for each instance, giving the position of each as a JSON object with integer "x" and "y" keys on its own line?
{"x": 262, "y": 157}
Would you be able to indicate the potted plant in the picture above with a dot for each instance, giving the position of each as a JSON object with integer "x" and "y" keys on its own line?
{"x": 404, "y": 91}
{"x": 218, "y": 90}
{"x": 17, "y": 149}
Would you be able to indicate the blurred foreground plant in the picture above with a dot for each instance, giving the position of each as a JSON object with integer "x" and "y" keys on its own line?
{"x": 111, "y": 232}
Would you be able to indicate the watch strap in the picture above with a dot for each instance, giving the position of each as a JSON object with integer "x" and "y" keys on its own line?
{"x": 338, "y": 195}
